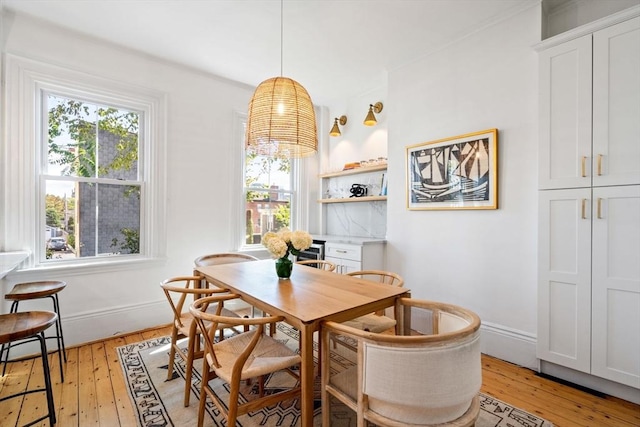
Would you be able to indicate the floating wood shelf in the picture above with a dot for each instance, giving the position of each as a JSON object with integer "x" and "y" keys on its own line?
{"x": 354, "y": 171}
{"x": 355, "y": 199}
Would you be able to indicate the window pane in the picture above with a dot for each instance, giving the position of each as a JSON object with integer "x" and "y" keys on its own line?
{"x": 60, "y": 219}
{"x": 93, "y": 219}
{"x": 118, "y": 144}
{"x": 74, "y": 150}
{"x": 267, "y": 172}
{"x": 71, "y": 137}
{"x": 108, "y": 219}
{"x": 263, "y": 215}
{"x": 267, "y": 196}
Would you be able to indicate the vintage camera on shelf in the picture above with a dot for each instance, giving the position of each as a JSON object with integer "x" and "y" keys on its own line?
{"x": 358, "y": 190}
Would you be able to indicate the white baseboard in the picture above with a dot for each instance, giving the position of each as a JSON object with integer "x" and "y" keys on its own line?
{"x": 86, "y": 327}
{"x": 101, "y": 324}
{"x": 509, "y": 344}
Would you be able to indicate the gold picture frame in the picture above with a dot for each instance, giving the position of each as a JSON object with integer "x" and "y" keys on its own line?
{"x": 460, "y": 172}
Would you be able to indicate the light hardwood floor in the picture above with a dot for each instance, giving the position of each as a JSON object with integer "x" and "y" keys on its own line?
{"x": 94, "y": 393}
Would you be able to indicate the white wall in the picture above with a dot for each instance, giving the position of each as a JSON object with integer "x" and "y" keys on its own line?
{"x": 200, "y": 149}
{"x": 357, "y": 142}
{"x": 483, "y": 260}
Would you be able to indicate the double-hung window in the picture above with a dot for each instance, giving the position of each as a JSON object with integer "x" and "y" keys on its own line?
{"x": 88, "y": 179}
{"x": 270, "y": 193}
{"x": 92, "y": 178}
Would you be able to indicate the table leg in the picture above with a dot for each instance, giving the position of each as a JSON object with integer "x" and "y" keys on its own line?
{"x": 307, "y": 374}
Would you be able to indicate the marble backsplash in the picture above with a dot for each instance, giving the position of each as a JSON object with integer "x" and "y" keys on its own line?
{"x": 361, "y": 219}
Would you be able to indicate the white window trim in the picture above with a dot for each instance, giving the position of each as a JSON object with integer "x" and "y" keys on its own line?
{"x": 25, "y": 79}
{"x": 300, "y": 184}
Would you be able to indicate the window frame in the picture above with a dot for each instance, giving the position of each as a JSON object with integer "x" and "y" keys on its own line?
{"x": 299, "y": 190}
{"x": 26, "y": 122}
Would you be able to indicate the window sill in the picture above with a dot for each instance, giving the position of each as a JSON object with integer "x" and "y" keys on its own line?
{"x": 45, "y": 271}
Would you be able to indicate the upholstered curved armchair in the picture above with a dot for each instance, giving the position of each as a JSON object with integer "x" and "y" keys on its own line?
{"x": 431, "y": 377}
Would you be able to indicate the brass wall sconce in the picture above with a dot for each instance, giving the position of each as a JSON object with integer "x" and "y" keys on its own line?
{"x": 370, "y": 120}
{"x": 335, "y": 130}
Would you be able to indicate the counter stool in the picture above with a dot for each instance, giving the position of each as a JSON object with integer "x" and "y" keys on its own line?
{"x": 31, "y": 325}
{"x": 31, "y": 291}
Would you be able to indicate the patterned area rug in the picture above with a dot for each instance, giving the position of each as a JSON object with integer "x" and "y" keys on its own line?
{"x": 159, "y": 402}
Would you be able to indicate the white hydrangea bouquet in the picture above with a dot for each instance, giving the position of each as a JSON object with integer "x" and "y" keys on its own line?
{"x": 283, "y": 243}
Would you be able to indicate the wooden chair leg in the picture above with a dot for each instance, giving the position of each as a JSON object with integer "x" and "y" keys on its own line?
{"x": 234, "y": 393}
{"x": 203, "y": 392}
{"x": 172, "y": 353}
{"x": 191, "y": 348}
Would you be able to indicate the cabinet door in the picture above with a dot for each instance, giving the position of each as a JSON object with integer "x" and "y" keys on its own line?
{"x": 616, "y": 104}
{"x": 349, "y": 266}
{"x": 616, "y": 284}
{"x": 344, "y": 265}
{"x": 565, "y": 115}
{"x": 564, "y": 288}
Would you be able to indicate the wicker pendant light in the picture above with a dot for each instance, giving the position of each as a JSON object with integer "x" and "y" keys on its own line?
{"x": 281, "y": 119}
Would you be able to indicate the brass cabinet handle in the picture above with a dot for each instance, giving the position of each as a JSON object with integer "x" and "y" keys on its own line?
{"x": 599, "y": 164}
{"x": 599, "y": 208}
{"x": 584, "y": 208}
{"x": 583, "y": 166}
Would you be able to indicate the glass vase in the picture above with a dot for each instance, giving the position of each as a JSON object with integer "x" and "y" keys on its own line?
{"x": 284, "y": 267}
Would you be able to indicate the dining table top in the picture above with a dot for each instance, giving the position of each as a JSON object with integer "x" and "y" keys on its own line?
{"x": 310, "y": 294}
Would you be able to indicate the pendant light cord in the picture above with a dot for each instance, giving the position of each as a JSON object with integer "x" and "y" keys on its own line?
{"x": 281, "y": 34}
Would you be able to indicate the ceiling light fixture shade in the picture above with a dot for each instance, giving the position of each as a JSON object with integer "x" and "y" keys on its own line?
{"x": 335, "y": 130}
{"x": 281, "y": 120}
{"x": 371, "y": 120}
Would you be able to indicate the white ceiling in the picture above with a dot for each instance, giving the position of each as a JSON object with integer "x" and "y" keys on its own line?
{"x": 335, "y": 48}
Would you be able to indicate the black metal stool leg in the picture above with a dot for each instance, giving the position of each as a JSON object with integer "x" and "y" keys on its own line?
{"x": 5, "y": 360}
{"x": 47, "y": 378}
{"x": 59, "y": 339}
{"x": 56, "y": 307}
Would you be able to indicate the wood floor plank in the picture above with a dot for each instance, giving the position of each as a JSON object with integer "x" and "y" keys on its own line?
{"x": 122, "y": 400}
{"x": 14, "y": 381}
{"x": 88, "y": 403}
{"x": 553, "y": 389}
{"x": 34, "y": 405}
{"x": 68, "y": 411}
{"x": 107, "y": 412}
{"x": 547, "y": 402}
{"x": 133, "y": 338}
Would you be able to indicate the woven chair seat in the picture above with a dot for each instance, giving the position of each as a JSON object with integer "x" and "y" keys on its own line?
{"x": 371, "y": 323}
{"x": 268, "y": 356}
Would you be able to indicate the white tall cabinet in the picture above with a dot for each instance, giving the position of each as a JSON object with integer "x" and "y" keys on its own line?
{"x": 589, "y": 203}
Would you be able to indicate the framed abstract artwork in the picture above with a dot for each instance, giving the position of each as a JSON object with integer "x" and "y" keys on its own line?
{"x": 460, "y": 172}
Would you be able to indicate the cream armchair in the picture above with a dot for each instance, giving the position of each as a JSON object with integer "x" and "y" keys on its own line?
{"x": 431, "y": 377}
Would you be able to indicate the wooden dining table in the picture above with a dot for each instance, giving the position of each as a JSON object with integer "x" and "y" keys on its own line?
{"x": 309, "y": 297}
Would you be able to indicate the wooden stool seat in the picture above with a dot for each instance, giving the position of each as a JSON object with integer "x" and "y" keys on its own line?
{"x": 31, "y": 291}
{"x": 17, "y": 326}
{"x": 31, "y": 325}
